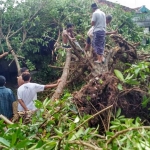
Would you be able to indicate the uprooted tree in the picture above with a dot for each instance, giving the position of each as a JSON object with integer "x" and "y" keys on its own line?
{"x": 47, "y": 20}
{"x": 97, "y": 90}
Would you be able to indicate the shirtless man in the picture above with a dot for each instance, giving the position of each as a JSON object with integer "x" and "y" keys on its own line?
{"x": 67, "y": 33}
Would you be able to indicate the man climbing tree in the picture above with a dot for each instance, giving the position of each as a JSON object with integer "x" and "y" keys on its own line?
{"x": 67, "y": 33}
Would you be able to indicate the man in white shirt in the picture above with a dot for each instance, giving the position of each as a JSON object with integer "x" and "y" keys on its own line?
{"x": 27, "y": 93}
{"x": 99, "y": 32}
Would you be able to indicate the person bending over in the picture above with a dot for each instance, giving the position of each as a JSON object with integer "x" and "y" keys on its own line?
{"x": 67, "y": 33}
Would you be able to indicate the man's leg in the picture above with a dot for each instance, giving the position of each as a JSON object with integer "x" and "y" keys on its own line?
{"x": 99, "y": 43}
{"x": 88, "y": 44}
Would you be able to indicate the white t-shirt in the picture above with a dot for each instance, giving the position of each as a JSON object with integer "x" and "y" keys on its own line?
{"x": 99, "y": 18}
{"x": 28, "y": 93}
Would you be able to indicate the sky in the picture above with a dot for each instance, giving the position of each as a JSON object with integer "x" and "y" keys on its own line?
{"x": 133, "y": 3}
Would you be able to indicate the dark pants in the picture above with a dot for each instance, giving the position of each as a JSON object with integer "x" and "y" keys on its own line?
{"x": 98, "y": 42}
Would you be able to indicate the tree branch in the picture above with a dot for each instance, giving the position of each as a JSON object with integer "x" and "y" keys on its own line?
{"x": 124, "y": 131}
{"x": 89, "y": 119}
{"x": 5, "y": 119}
{"x": 32, "y": 17}
{"x": 64, "y": 76}
{"x": 90, "y": 146}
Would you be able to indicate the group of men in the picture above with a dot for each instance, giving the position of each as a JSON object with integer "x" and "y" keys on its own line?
{"x": 96, "y": 34}
{"x": 26, "y": 94}
{"x": 27, "y": 91}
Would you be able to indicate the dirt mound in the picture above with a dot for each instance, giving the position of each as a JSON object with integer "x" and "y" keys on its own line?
{"x": 101, "y": 92}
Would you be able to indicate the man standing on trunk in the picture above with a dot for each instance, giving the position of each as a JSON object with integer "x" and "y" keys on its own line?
{"x": 99, "y": 32}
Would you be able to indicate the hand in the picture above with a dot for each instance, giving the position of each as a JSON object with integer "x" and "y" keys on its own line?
{"x": 58, "y": 81}
{"x": 6, "y": 53}
{"x": 73, "y": 39}
{"x": 116, "y": 31}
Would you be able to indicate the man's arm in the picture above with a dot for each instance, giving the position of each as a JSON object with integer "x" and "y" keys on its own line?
{"x": 23, "y": 104}
{"x": 4, "y": 54}
{"x": 69, "y": 36}
{"x": 112, "y": 32}
{"x": 52, "y": 85}
{"x": 93, "y": 23}
{"x": 93, "y": 19}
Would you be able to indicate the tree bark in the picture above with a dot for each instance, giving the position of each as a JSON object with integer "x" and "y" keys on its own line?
{"x": 64, "y": 76}
{"x": 14, "y": 55}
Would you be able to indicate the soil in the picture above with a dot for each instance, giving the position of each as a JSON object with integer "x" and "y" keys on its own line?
{"x": 101, "y": 92}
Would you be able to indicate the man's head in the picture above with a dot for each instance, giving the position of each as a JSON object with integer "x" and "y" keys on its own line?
{"x": 24, "y": 69}
{"x": 94, "y": 7}
{"x": 69, "y": 26}
{"x": 2, "y": 81}
{"x": 108, "y": 19}
{"x": 26, "y": 76}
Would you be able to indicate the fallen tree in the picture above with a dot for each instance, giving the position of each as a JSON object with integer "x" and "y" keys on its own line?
{"x": 101, "y": 88}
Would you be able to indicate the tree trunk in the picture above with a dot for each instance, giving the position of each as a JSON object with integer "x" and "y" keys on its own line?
{"x": 14, "y": 55}
{"x": 64, "y": 76}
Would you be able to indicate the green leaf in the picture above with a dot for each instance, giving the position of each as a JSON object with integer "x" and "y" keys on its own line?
{"x": 77, "y": 134}
{"x": 119, "y": 75}
{"x": 58, "y": 132}
{"x": 77, "y": 119}
{"x": 132, "y": 82}
{"x": 120, "y": 87}
{"x": 23, "y": 144}
{"x": 38, "y": 104}
{"x": 5, "y": 142}
{"x": 118, "y": 113}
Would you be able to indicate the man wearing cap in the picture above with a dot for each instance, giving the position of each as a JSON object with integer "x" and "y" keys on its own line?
{"x": 99, "y": 31}
{"x": 6, "y": 99}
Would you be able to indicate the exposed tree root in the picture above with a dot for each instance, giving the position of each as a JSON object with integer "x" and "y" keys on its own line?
{"x": 101, "y": 92}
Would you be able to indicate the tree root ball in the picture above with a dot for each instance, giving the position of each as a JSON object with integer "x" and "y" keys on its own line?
{"x": 101, "y": 92}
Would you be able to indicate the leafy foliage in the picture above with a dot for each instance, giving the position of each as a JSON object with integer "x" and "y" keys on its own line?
{"x": 50, "y": 129}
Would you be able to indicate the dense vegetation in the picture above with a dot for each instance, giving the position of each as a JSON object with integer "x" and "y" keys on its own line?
{"x": 31, "y": 29}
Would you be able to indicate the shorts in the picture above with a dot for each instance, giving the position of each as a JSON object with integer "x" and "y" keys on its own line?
{"x": 98, "y": 42}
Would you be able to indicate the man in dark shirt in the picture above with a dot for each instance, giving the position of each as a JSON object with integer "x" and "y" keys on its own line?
{"x": 6, "y": 99}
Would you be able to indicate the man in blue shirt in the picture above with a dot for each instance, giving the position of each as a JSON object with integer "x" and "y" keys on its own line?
{"x": 6, "y": 99}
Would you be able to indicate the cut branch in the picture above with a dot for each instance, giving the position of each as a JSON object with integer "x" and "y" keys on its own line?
{"x": 5, "y": 119}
